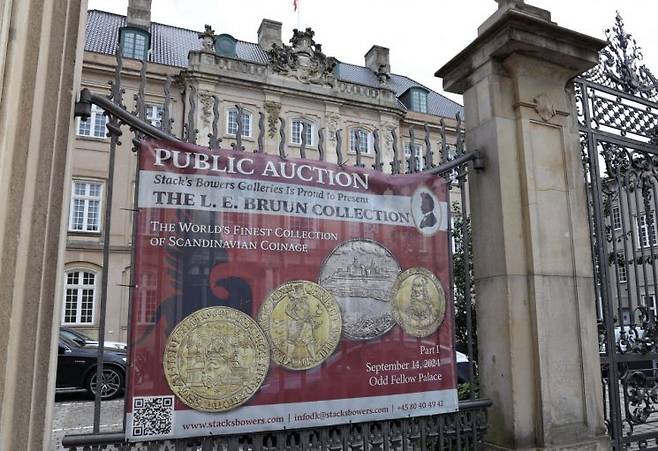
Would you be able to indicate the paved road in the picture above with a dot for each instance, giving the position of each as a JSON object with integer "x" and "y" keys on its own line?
{"x": 74, "y": 414}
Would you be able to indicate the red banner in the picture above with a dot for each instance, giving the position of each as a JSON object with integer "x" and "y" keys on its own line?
{"x": 278, "y": 294}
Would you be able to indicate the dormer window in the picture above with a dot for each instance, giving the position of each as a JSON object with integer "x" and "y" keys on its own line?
{"x": 135, "y": 43}
{"x": 419, "y": 100}
{"x": 415, "y": 99}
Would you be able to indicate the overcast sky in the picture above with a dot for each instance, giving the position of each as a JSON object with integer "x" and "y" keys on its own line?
{"x": 421, "y": 34}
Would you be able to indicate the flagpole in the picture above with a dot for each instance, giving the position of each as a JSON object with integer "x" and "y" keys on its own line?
{"x": 299, "y": 3}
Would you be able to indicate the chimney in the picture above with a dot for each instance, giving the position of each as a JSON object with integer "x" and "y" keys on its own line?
{"x": 377, "y": 60}
{"x": 139, "y": 14}
{"x": 269, "y": 33}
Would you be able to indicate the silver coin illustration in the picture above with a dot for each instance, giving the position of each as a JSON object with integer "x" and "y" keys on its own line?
{"x": 360, "y": 274}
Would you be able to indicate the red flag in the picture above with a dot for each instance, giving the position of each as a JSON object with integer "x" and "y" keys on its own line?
{"x": 295, "y": 4}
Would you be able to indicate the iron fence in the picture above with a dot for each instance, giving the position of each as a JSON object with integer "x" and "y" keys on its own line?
{"x": 463, "y": 430}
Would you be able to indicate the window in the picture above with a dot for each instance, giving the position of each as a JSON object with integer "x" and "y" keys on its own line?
{"x": 649, "y": 301}
{"x": 79, "y": 297}
{"x": 621, "y": 271}
{"x": 419, "y": 100}
{"x": 417, "y": 153}
{"x": 134, "y": 43}
{"x": 85, "y": 206}
{"x": 646, "y": 229}
{"x": 148, "y": 303}
{"x": 360, "y": 140}
{"x": 232, "y": 123}
{"x": 296, "y": 132}
{"x": 154, "y": 115}
{"x": 94, "y": 125}
{"x": 616, "y": 218}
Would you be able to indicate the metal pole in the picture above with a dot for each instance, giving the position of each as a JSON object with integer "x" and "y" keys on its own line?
{"x": 114, "y": 137}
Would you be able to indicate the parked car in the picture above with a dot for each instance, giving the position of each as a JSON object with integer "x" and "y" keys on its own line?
{"x": 84, "y": 340}
{"x": 76, "y": 368}
{"x": 462, "y": 367}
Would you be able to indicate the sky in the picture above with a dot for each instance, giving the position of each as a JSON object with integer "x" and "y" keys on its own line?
{"x": 422, "y": 35}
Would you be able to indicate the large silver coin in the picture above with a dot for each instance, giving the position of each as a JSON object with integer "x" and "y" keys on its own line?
{"x": 360, "y": 274}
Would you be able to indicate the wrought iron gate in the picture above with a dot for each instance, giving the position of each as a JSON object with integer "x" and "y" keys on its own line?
{"x": 618, "y": 117}
{"x": 463, "y": 430}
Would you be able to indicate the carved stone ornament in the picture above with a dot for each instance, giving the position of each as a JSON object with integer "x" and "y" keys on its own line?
{"x": 206, "y": 102}
{"x": 273, "y": 110}
{"x": 382, "y": 75}
{"x": 544, "y": 107}
{"x": 303, "y": 60}
{"x": 207, "y": 40}
{"x": 333, "y": 119}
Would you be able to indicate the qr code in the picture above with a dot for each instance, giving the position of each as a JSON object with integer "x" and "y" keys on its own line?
{"x": 153, "y": 416}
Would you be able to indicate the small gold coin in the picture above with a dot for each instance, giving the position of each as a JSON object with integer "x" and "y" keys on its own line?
{"x": 303, "y": 323}
{"x": 216, "y": 359}
{"x": 418, "y": 302}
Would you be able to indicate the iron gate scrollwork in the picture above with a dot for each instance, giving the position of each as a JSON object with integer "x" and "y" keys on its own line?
{"x": 617, "y": 104}
{"x": 463, "y": 430}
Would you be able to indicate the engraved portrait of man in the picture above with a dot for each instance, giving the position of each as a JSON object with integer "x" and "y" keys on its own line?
{"x": 420, "y": 303}
{"x": 427, "y": 209}
{"x": 301, "y": 323}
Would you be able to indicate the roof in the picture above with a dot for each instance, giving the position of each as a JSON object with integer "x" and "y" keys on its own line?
{"x": 170, "y": 46}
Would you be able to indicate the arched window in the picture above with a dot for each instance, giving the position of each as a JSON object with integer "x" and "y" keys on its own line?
{"x": 361, "y": 140}
{"x": 232, "y": 123}
{"x": 79, "y": 296}
{"x": 296, "y": 132}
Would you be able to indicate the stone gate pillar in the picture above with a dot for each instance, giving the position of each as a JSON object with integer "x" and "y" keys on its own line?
{"x": 539, "y": 361}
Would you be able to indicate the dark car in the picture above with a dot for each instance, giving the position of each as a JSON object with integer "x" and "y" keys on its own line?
{"x": 84, "y": 340}
{"x": 76, "y": 368}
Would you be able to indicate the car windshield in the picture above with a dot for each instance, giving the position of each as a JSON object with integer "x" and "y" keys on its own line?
{"x": 68, "y": 342}
{"x": 76, "y": 336}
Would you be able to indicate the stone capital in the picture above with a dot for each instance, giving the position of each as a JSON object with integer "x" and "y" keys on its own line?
{"x": 520, "y": 32}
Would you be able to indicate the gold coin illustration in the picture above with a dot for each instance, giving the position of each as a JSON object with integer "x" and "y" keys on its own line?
{"x": 303, "y": 323}
{"x": 216, "y": 359}
{"x": 418, "y": 302}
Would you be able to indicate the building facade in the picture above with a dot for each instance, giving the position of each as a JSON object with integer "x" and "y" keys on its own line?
{"x": 295, "y": 88}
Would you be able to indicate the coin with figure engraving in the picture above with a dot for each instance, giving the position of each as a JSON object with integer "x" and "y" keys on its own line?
{"x": 360, "y": 274}
{"x": 418, "y": 302}
{"x": 302, "y": 321}
{"x": 216, "y": 359}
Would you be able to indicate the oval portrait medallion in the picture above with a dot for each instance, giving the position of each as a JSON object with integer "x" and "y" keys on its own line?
{"x": 419, "y": 302}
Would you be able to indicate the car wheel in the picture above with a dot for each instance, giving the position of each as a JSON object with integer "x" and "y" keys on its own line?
{"x": 111, "y": 384}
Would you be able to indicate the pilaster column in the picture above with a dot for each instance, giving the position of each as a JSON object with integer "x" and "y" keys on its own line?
{"x": 40, "y": 64}
{"x": 538, "y": 347}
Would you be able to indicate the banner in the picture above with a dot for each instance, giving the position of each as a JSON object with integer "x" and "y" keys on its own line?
{"x": 275, "y": 294}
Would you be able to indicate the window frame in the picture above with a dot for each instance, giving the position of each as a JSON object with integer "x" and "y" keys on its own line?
{"x": 643, "y": 301}
{"x": 622, "y": 275}
{"x": 615, "y": 217}
{"x": 96, "y": 113}
{"x": 418, "y": 100}
{"x": 311, "y": 127}
{"x": 643, "y": 230}
{"x": 148, "y": 294}
{"x": 124, "y": 31}
{"x": 79, "y": 287}
{"x": 369, "y": 141}
{"x": 420, "y": 157}
{"x": 151, "y": 120}
{"x": 228, "y": 121}
{"x": 86, "y": 197}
